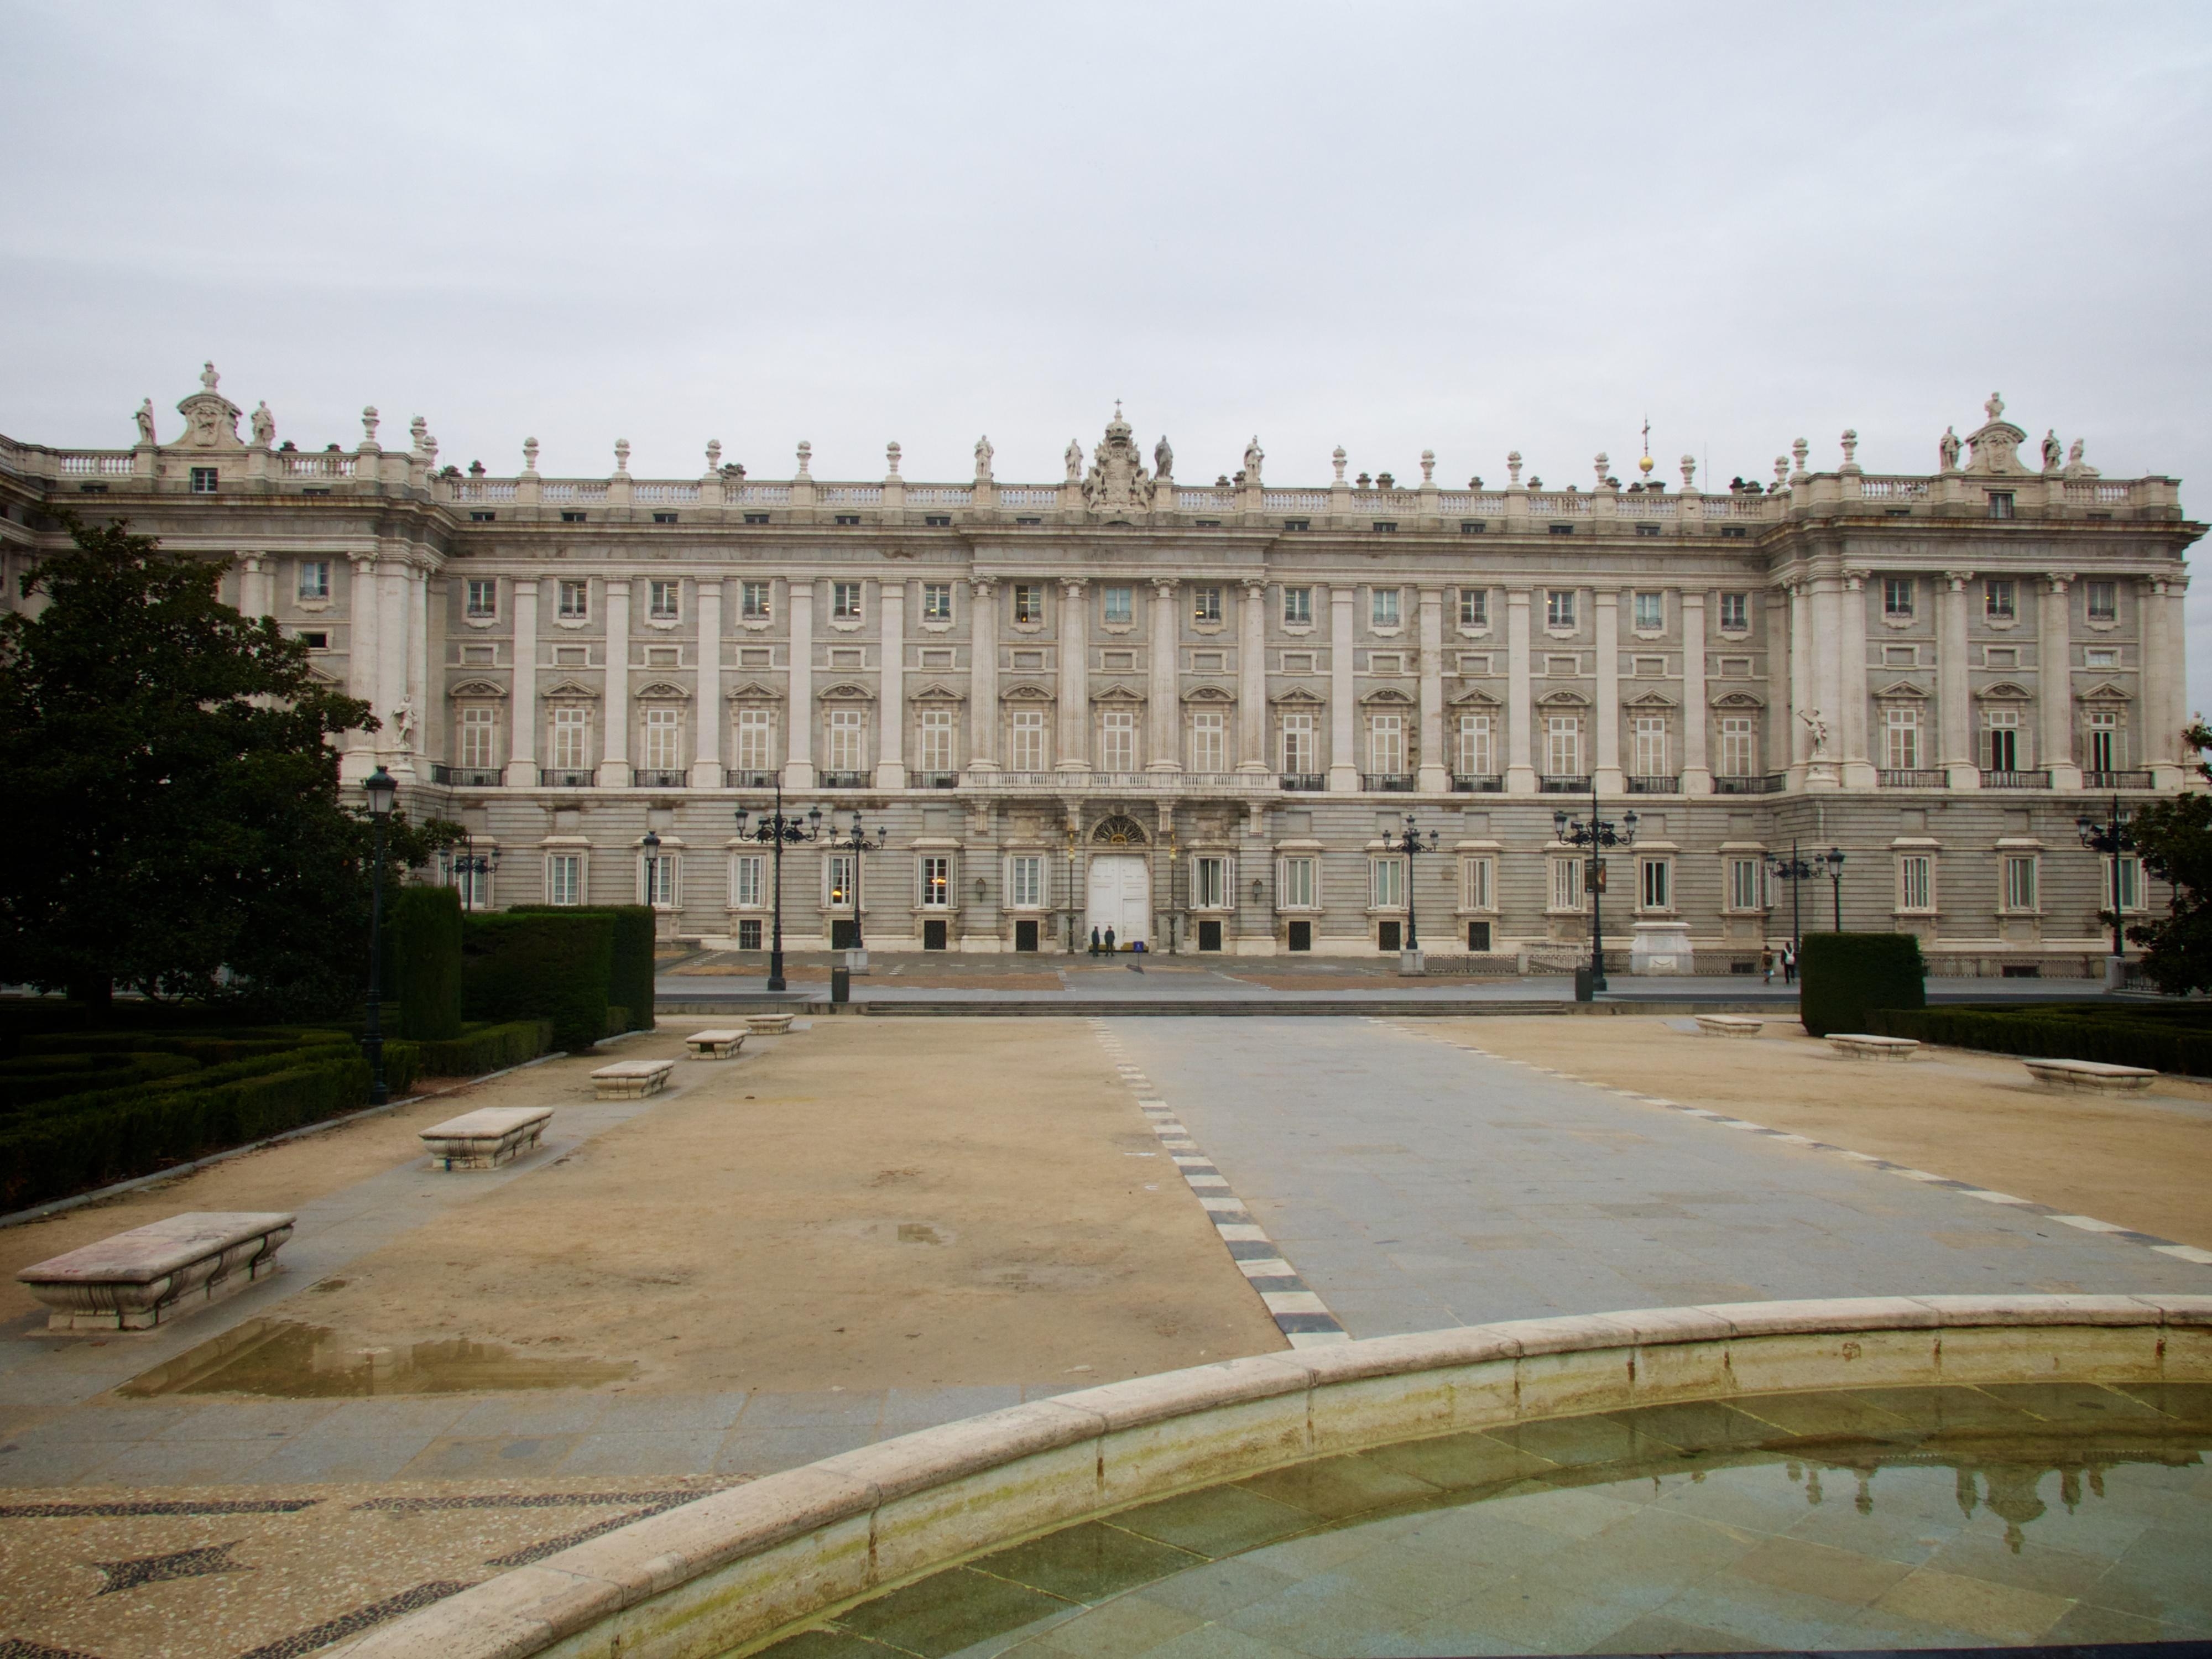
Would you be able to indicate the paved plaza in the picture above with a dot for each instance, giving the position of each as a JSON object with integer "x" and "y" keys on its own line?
{"x": 871, "y": 1226}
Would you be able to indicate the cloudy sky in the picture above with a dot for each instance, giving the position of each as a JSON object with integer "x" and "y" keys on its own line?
{"x": 1464, "y": 227}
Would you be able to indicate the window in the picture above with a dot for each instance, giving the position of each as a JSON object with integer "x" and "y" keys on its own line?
{"x": 937, "y": 882}
{"x": 753, "y": 601}
{"x": 203, "y": 481}
{"x": 2104, "y": 740}
{"x": 571, "y": 739}
{"x": 937, "y": 740}
{"x": 664, "y": 600}
{"x": 1735, "y": 613}
{"x": 937, "y": 602}
{"x": 1117, "y": 740}
{"x": 1120, "y": 606}
{"x": 575, "y": 601}
{"x": 315, "y": 580}
{"x": 1654, "y": 884}
{"x": 564, "y": 878}
{"x": 1298, "y": 756}
{"x": 1897, "y": 597}
{"x": 1026, "y": 753}
{"x": 1559, "y": 608}
{"x": 479, "y": 738}
{"x": 2019, "y": 881}
{"x": 1738, "y": 745}
{"x": 2000, "y": 504}
{"x": 2131, "y": 885}
{"x": 1384, "y": 610}
{"x": 1298, "y": 884}
{"x": 1474, "y": 607}
{"x": 837, "y": 873}
{"x": 1478, "y": 882}
{"x": 1900, "y": 738}
{"x": 1025, "y": 882}
{"x": 1386, "y": 743}
{"x": 482, "y": 602}
{"x": 749, "y": 880}
{"x": 656, "y": 879}
{"x": 1205, "y": 604}
{"x": 756, "y": 740}
{"x": 1915, "y": 881}
{"x": 2104, "y": 601}
{"x": 316, "y": 640}
{"x": 1297, "y": 606}
{"x": 1477, "y": 756}
{"x": 1746, "y": 885}
{"x": 848, "y": 747}
{"x": 579, "y": 518}
{"x": 845, "y": 601}
{"x": 1567, "y": 884}
{"x": 664, "y": 739}
{"x": 1208, "y": 741}
{"x": 1029, "y": 604}
{"x": 1386, "y": 879}
{"x": 1650, "y": 612}
{"x": 749, "y": 934}
{"x": 1209, "y": 882}
{"x": 669, "y": 517}
{"x": 1999, "y": 600}
{"x": 1563, "y": 746}
{"x": 1651, "y": 745}
{"x": 2004, "y": 739}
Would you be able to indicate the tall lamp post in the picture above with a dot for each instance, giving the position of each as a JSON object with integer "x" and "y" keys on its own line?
{"x": 1596, "y": 835}
{"x": 2112, "y": 837}
{"x": 1409, "y": 841}
{"x": 774, "y": 829}
{"x": 1794, "y": 870}
{"x": 382, "y": 792}
{"x": 1834, "y": 860}
{"x": 472, "y": 868}
{"x": 856, "y": 841}
{"x": 1072, "y": 909}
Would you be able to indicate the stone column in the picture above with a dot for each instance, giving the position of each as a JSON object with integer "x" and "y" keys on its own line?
{"x": 1520, "y": 771}
{"x": 708, "y": 717}
{"x": 392, "y": 658}
{"x": 1074, "y": 745}
{"x": 1851, "y": 691}
{"x": 522, "y": 737}
{"x": 419, "y": 653}
{"x": 2176, "y": 643}
{"x": 1604, "y": 759}
{"x": 890, "y": 692}
{"x": 1436, "y": 766}
{"x": 1775, "y": 625}
{"x": 1800, "y": 684}
{"x": 799, "y": 700}
{"x": 1252, "y": 680}
{"x": 364, "y": 665}
{"x": 983, "y": 676}
{"x": 254, "y": 583}
{"x": 1697, "y": 769}
{"x": 1954, "y": 710}
{"x": 1161, "y": 685}
{"x": 1343, "y": 745}
{"x": 614, "y": 743}
{"x": 2054, "y": 681}
{"x": 2165, "y": 696}
{"x": 1823, "y": 609}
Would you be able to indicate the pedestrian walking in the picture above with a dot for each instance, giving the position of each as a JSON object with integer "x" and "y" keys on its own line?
{"x": 1767, "y": 964}
{"x": 1788, "y": 964}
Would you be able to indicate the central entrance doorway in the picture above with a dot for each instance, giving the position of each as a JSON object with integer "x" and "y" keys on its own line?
{"x": 1120, "y": 898}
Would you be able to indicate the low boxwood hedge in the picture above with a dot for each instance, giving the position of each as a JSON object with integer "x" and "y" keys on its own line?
{"x": 483, "y": 1048}
{"x": 2120, "y": 1036}
{"x": 33, "y": 1078}
{"x": 1849, "y": 976}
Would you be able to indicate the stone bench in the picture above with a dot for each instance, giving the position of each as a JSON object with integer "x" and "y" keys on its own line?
{"x": 1860, "y": 1045}
{"x": 1730, "y": 1025}
{"x": 157, "y": 1273}
{"x": 768, "y": 1025}
{"x": 632, "y": 1079}
{"x": 486, "y": 1137}
{"x": 2089, "y": 1076}
{"x": 714, "y": 1045}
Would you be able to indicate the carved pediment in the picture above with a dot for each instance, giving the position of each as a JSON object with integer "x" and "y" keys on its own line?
{"x": 936, "y": 692}
{"x": 2005, "y": 691}
{"x": 2105, "y": 692}
{"x": 571, "y": 689}
{"x": 1898, "y": 690}
{"x": 477, "y": 689}
{"x": 1994, "y": 450}
{"x": 1117, "y": 481}
{"x": 1387, "y": 695}
{"x": 848, "y": 691}
{"x": 1739, "y": 699}
{"x": 1120, "y": 695}
{"x": 210, "y": 418}
{"x": 754, "y": 691}
{"x": 1562, "y": 697}
{"x": 1206, "y": 694}
{"x": 1296, "y": 697}
{"x": 1476, "y": 696}
{"x": 1653, "y": 700}
{"x": 662, "y": 691}
{"x": 1025, "y": 694}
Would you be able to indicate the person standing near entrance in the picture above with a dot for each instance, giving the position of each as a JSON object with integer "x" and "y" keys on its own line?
{"x": 1788, "y": 964}
{"x": 1110, "y": 938}
{"x": 1094, "y": 941}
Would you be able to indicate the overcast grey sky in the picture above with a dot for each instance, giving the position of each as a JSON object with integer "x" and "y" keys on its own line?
{"x": 1469, "y": 229}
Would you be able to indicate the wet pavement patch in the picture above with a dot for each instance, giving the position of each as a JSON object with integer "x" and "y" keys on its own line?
{"x": 289, "y": 1359}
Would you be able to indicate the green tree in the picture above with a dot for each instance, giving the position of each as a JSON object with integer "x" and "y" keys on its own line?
{"x": 2174, "y": 837}
{"x": 170, "y": 768}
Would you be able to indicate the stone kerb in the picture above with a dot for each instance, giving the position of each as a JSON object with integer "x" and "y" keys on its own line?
{"x": 738, "y": 1567}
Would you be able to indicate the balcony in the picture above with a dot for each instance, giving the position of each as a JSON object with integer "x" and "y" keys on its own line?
{"x": 844, "y": 779}
{"x": 1477, "y": 783}
{"x": 1754, "y": 783}
{"x": 1304, "y": 781}
{"x": 936, "y": 779}
{"x": 465, "y": 777}
{"x": 1388, "y": 782}
{"x": 660, "y": 779}
{"x": 2016, "y": 780}
{"x": 1655, "y": 783}
{"x": 1560, "y": 783}
{"x": 1909, "y": 777}
{"x": 552, "y": 780}
{"x": 752, "y": 779}
{"x": 2115, "y": 779}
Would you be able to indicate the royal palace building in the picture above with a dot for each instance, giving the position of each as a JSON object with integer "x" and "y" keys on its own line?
{"x": 1202, "y": 714}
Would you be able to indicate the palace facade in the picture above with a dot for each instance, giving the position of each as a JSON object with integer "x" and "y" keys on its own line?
{"x": 1202, "y": 716}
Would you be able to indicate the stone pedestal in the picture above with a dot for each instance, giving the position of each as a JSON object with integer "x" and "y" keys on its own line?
{"x": 1412, "y": 964}
{"x": 1661, "y": 947}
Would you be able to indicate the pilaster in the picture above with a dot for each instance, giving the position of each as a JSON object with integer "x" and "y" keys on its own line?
{"x": 1519, "y": 772}
{"x": 1252, "y": 679}
{"x": 1605, "y": 761}
{"x": 1955, "y": 705}
{"x": 1851, "y": 652}
{"x": 1435, "y": 776}
{"x": 1162, "y": 682}
{"x": 2054, "y": 681}
{"x": 983, "y": 676}
{"x": 708, "y": 716}
{"x": 614, "y": 743}
{"x": 521, "y": 771}
{"x": 890, "y": 679}
{"x": 799, "y": 700}
{"x": 1697, "y": 769}
{"x": 1343, "y": 745}
{"x": 1074, "y": 745}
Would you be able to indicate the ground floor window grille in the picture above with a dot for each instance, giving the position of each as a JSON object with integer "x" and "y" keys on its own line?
{"x": 937, "y": 740}
{"x": 1900, "y": 739}
{"x": 1567, "y": 884}
{"x": 1298, "y": 756}
{"x": 2020, "y": 882}
{"x": 1477, "y": 753}
{"x": 748, "y": 881}
{"x": 1650, "y": 755}
{"x": 1117, "y": 741}
{"x": 1478, "y": 883}
{"x": 664, "y": 739}
{"x": 1208, "y": 744}
{"x": 1746, "y": 885}
{"x": 1738, "y": 745}
{"x": 1026, "y": 753}
{"x": 1915, "y": 882}
{"x": 564, "y": 878}
{"x": 756, "y": 740}
{"x": 1299, "y": 887}
{"x": 1209, "y": 884}
{"x": 1563, "y": 746}
{"x": 571, "y": 729}
{"x": 937, "y": 882}
{"x": 1386, "y": 883}
{"x": 748, "y": 935}
{"x": 1025, "y": 882}
{"x": 479, "y": 738}
{"x": 848, "y": 740}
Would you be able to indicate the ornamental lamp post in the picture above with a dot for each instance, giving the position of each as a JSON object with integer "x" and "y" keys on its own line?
{"x": 1834, "y": 860}
{"x": 2111, "y": 838}
{"x": 775, "y": 830}
{"x": 856, "y": 842}
{"x": 650, "y": 846}
{"x": 1596, "y": 835}
{"x": 472, "y": 868}
{"x": 1794, "y": 870}
{"x": 1409, "y": 841}
{"x": 382, "y": 793}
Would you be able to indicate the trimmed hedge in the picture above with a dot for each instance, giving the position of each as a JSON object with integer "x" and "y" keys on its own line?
{"x": 540, "y": 964}
{"x": 488, "y": 1048}
{"x": 629, "y": 975}
{"x": 2119, "y": 1036}
{"x": 423, "y": 962}
{"x": 35, "y": 1078}
{"x": 1847, "y": 977}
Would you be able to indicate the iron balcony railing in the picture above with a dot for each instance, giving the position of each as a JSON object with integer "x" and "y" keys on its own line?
{"x": 1477, "y": 783}
{"x": 1302, "y": 781}
{"x": 2115, "y": 779}
{"x": 1753, "y": 783}
{"x": 1655, "y": 783}
{"x": 1556, "y": 783}
{"x": 553, "y": 779}
{"x": 844, "y": 779}
{"x": 752, "y": 779}
{"x": 937, "y": 779}
{"x": 2016, "y": 780}
{"x": 465, "y": 777}
{"x": 1913, "y": 777}
{"x": 658, "y": 779}
{"x": 1397, "y": 782}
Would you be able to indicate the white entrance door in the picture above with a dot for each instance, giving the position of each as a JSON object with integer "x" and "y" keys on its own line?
{"x": 1120, "y": 896}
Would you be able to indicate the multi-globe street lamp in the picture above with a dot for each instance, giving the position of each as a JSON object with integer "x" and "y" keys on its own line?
{"x": 470, "y": 871}
{"x": 382, "y": 792}
{"x": 776, "y": 829}
{"x": 1795, "y": 870}
{"x": 857, "y": 841}
{"x": 1596, "y": 835}
{"x": 1409, "y": 841}
{"x": 2112, "y": 837}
